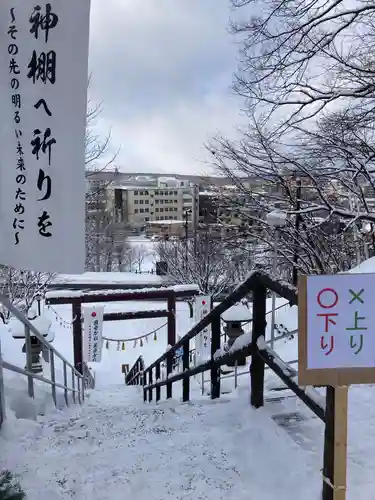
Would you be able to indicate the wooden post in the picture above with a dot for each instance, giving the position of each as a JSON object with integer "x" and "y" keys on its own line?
{"x": 144, "y": 383}
{"x": 259, "y": 330}
{"x": 215, "y": 346}
{"x": 171, "y": 337}
{"x": 2, "y": 392}
{"x": 66, "y": 394}
{"x": 335, "y": 444}
{"x": 73, "y": 386}
{"x": 341, "y": 442}
{"x": 157, "y": 377}
{"x": 185, "y": 367}
{"x": 77, "y": 336}
{"x": 150, "y": 381}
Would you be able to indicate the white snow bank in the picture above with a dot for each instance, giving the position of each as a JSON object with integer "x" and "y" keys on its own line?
{"x": 22, "y": 406}
{"x": 17, "y": 401}
{"x": 366, "y": 267}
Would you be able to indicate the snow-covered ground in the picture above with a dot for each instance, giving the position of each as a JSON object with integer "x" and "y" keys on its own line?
{"x": 141, "y": 245}
{"x": 140, "y": 242}
{"x": 117, "y": 447}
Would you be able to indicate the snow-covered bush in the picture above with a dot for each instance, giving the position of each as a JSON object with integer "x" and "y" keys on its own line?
{"x": 10, "y": 488}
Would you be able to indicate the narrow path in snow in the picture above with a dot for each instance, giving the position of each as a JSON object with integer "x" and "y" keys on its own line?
{"x": 116, "y": 447}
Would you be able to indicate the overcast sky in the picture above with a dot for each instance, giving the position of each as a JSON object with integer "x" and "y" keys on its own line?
{"x": 163, "y": 69}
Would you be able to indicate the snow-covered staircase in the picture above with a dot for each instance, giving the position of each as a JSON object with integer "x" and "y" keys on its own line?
{"x": 115, "y": 446}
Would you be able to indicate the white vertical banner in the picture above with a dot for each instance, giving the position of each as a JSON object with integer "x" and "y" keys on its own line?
{"x": 43, "y": 104}
{"x": 93, "y": 333}
{"x": 202, "y": 307}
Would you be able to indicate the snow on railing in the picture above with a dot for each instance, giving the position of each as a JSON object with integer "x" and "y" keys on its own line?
{"x": 247, "y": 344}
{"x": 78, "y": 381}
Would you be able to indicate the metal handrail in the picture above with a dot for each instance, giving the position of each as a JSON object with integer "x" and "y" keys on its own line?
{"x": 7, "y": 303}
{"x": 134, "y": 375}
{"x": 78, "y": 381}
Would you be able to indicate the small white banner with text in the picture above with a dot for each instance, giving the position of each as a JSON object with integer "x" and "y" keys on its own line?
{"x": 93, "y": 333}
{"x": 203, "y": 339}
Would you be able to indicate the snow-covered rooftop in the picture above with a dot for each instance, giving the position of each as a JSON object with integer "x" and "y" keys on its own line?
{"x": 237, "y": 313}
{"x": 128, "y": 187}
{"x": 108, "y": 278}
{"x": 167, "y": 179}
{"x": 167, "y": 222}
{"x": 207, "y": 193}
{"x": 53, "y": 294}
{"x": 147, "y": 178}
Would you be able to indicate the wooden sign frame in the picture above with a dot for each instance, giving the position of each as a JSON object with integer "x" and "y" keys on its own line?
{"x": 335, "y": 377}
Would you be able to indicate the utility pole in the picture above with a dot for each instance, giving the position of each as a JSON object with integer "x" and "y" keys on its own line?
{"x": 353, "y": 207}
{"x": 195, "y": 216}
{"x": 97, "y": 241}
{"x": 297, "y": 228}
{"x": 186, "y": 215}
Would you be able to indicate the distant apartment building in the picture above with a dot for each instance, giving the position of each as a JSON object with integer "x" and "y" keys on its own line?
{"x": 169, "y": 200}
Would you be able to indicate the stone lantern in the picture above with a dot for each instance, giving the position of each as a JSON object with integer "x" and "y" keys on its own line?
{"x": 43, "y": 325}
{"x": 233, "y": 319}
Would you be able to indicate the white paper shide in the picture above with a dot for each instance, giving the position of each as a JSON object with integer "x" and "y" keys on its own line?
{"x": 43, "y": 96}
{"x": 93, "y": 333}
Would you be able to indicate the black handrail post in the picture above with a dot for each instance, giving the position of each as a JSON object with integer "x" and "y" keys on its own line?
{"x": 157, "y": 376}
{"x": 185, "y": 368}
{"x": 171, "y": 338}
{"x": 150, "y": 383}
{"x": 259, "y": 330}
{"x": 329, "y": 444}
{"x": 136, "y": 376}
{"x": 215, "y": 346}
{"x": 144, "y": 383}
{"x": 77, "y": 335}
{"x": 141, "y": 368}
{"x": 139, "y": 371}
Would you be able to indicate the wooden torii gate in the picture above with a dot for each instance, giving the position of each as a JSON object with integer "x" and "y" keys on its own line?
{"x": 77, "y": 298}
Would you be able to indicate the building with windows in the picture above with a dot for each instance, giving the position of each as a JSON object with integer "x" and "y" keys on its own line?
{"x": 169, "y": 200}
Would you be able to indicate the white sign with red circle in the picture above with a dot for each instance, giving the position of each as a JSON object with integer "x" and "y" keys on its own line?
{"x": 93, "y": 333}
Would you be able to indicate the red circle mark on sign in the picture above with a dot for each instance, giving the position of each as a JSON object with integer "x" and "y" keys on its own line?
{"x": 203, "y": 302}
{"x": 93, "y": 314}
{"x": 335, "y": 298}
